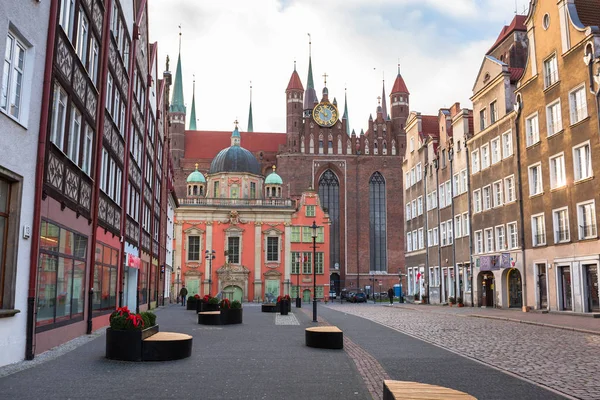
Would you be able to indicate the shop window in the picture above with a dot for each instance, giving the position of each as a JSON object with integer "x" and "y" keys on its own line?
{"x": 61, "y": 278}
{"x": 106, "y": 269}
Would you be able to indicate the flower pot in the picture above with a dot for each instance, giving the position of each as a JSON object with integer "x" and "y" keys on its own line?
{"x": 284, "y": 307}
{"x": 191, "y": 305}
{"x": 127, "y": 345}
{"x": 210, "y": 307}
{"x": 460, "y": 305}
{"x": 231, "y": 316}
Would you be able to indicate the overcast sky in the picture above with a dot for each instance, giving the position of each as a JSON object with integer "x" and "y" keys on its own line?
{"x": 226, "y": 44}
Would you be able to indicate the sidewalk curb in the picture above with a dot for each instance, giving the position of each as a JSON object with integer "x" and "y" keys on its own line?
{"x": 566, "y": 328}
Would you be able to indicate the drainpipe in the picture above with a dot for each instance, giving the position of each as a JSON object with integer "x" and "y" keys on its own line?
{"x": 454, "y": 264}
{"x": 425, "y": 212}
{"x": 518, "y": 108}
{"x": 470, "y": 209}
{"x": 358, "y": 226}
{"x": 39, "y": 184}
{"x": 97, "y": 177}
{"x": 436, "y": 163}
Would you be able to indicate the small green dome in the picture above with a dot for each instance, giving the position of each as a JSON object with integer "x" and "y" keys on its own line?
{"x": 273, "y": 178}
{"x": 196, "y": 177}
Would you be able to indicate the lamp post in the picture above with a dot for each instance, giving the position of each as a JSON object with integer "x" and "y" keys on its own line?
{"x": 177, "y": 281}
{"x": 298, "y": 301}
{"x": 210, "y": 256}
{"x": 314, "y": 238}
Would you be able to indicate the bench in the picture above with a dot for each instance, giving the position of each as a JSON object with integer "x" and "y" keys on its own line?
{"x": 209, "y": 318}
{"x": 420, "y": 391}
{"x": 166, "y": 346}
{"x": 269, "y": 307}
{"x": 324, "y": 337}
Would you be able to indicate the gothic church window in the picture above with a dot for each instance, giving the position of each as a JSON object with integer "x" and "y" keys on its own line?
{"x": 393, "y": 147}
{"x": 375, "y": 148}
{"x": 384, "y": 150}
{"x": 339, "y": 146}
{"x": 312, "y": 144}
{"x": 366, "y": 146}
{"x": 321, "y": 144}
{"x": 302, "y": 149}
{"x": 377, "y": 223}
{"x": 329, "y": 194}
{"x": 348, "y": 147}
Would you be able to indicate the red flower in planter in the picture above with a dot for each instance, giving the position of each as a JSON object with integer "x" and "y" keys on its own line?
{"x": 225, "y": 304}
{"x": 206, "y": 298}
{"x": 196, "y": 296}
{"x": 123, "y": 310}
{"x": 136, "y": 320}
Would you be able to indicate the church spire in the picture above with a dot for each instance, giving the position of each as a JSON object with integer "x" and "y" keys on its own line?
{"x": 383, "y": 102}
{"x": 250, "y": 123}
{"x": 345, "y": 116}
{"x": 177, "y": 104}
{"x": 310, "y": 96}
{"x": 193, "y": 115}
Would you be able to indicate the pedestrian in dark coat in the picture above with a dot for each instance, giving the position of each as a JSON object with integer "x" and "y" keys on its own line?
{"x": 183, "y": 293}
{"x": 391, "y": 295}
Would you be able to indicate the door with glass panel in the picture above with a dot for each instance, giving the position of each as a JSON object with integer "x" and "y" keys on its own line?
{"x": 565, "y": 282}
{"x": 591, "y": 278}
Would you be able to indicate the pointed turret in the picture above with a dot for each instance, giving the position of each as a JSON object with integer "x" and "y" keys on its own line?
{"x": 193, "y": 115}
{"x": 345, "y": 116}
{"x": 177, "y": 104}
{"x": 310, "y": 96}
{"x": 250, "y": 122}
{"x": 235, "y": 136}
{"x": 383, "y": 102}
{"x": 294, "y": 110}
{"x": 399, "y": 99}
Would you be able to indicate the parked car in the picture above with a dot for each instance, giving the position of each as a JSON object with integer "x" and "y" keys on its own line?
{"x": 332, "y": 294}
{"x": 345, "y": 294}
{"x": 359, "y": 297}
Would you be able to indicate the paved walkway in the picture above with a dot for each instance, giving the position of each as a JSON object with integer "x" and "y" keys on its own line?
{"x": 266, "y": 358}
{"x": 563, "y": 320}
{"x": 563, "y": 360}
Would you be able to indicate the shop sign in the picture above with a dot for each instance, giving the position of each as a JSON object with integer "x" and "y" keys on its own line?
{"x": 133, "y": 261}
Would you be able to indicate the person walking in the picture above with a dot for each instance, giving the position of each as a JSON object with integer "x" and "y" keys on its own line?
{"x": 391, "y": 295}
{"x": 183, "y": 293}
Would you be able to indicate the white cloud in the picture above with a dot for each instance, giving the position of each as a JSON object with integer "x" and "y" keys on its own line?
{"x": 228, "y": 44}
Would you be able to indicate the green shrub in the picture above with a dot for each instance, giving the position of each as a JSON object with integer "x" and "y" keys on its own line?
{"x": 213, "y": 300}
{"x": 451, "y": 300}
{"x": 149, "y": 319}
{"x": 191, "y": 299}
{"x": 236, "y": 304}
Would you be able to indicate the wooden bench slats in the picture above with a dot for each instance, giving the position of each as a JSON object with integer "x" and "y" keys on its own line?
{"x": 167, "y": 336}
{"x": 324, "y": 329}
{"x": 423, "y": 391}
{"x": 210, "y": 312}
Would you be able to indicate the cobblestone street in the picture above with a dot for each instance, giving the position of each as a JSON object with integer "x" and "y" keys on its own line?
{"x": 563, "y": 360}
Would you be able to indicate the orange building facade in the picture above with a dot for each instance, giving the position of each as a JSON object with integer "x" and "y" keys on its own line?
{"x": 236, "y": 236}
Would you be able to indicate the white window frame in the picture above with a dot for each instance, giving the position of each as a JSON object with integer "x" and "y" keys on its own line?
{"x": 475, "y": 161}
{"x": 535, "y": 189}
{"x": 554, "y": 124}
{"x": 420, "y": 205}
{"x": 483, "y": 119}
{"x": 578, "y": 104}
{"x": 60, "y": 100}
{"x": 88, "y": 146}
{"x": 486, "y": 202}
{"x": 488, "y": 240}
{"x": 408, "y": 213}
{"x": 550, "y": 71}
{"x": 507, "y": 144}
{"x": 493, "y": 112}
{"x": 477, "y": 201}
{"x": 83, "y": 35}
{"x": 466, "y": 225}
{"x": 74, "y": 138}
{"x": 478, "y": 242}
{"x": 556, "y": 222}
{"x": 535, "y": 235}
{"x": 580, "y": 223}
{"x": 558, "y": 176}
{"x": 578, "y": 173}
{"x": 421, "y": 238}
{"x": 497, "y": 192}
{"x": 436, "y": 236}
{"x": 512, "y": 235}
{"x": 458, "y": 226}
{"x": 496, "y": 151}
{"x": 509, "y": 189}
{"x": 500, "y": 238}
{"x": 67, "y": 16}
{"x": 485, "y": 156}
{"x": 532, "y": 129}
{"x": 14, "y": 96}
{"x": 408, "y": 242}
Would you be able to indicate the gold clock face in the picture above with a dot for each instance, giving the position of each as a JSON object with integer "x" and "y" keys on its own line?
{"x": 325, "y": 114}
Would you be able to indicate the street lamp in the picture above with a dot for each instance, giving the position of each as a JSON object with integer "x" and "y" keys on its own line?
{"x": 298, "y": 301}
{"x": 210, "y": 255}
{"x": 314, "y": 228}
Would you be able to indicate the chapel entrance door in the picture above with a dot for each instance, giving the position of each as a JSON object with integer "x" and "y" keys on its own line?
{"x": 306, "y": 296}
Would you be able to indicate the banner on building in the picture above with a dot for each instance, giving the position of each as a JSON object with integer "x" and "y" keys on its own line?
{"x": 133, "y": 261}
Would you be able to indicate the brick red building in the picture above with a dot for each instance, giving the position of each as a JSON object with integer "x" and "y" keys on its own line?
{"x": 358, "y": 176}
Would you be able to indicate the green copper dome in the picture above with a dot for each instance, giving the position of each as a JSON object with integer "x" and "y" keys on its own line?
{"x": 273, "y": 178}
{"x": 196, "y": 177}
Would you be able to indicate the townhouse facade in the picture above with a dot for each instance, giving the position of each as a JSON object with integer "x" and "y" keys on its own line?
{"x": 23, "y": 33}
{"x": 494, "y": 173}
{"x": 99, "y": 179}
{"x": 557, "y": 102}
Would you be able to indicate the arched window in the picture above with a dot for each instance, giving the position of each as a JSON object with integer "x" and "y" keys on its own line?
{"x": 393, "y": 147}
{"x": 311, "y": 145}
{"x": 195, "y": 190}
{"x": 302, "y": 144}
{"x": 329, "y": 194}
{"x": 384, "y": 150}
{"x": 321, "y": 143}
{"x": 340, "y": 149}
{"x": 375, "y": 148}
{"x": 367, "y": 146}
{"x": 377, "y": 223}
{"x": 330, "y": 144}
